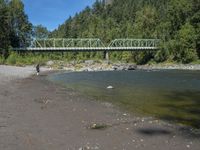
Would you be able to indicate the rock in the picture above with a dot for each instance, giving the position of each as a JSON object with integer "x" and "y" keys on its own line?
{"x": 124, "y": 67}
{"x": 89, "y": 69}
{"x": 118, "y": 67}
{"x": 89, "y": 62}
{"x": 85, "y": 69}
{"x": 110, "y": 87}
{"x": 98, "y": 126}
{"x": 188, "y": 146}
{"x": 115, "y": 67}
{"x": 50, "y": 63}
{"x": 108, "y": 104}
{"x": 132, "y": 67}
{"x": 93, "y": 126}
{"x": 96, "y": 147}
{"x": 68, "y": 69}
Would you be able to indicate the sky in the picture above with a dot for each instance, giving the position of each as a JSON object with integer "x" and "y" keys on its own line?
{"x": 51, "y": 13}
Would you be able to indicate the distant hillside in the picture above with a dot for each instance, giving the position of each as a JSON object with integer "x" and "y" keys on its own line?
{"x": 175, "y": 22}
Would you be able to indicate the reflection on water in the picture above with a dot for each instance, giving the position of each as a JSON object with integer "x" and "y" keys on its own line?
{"x": 171, "y": 95}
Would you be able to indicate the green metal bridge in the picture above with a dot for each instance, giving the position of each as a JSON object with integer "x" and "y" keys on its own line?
{"x": 81, "y": 45}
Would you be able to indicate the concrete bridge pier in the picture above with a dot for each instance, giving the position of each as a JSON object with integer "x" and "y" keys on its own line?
{"x": 106, "y": 55}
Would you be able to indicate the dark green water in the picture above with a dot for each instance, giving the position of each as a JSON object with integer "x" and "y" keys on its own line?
{"x": 168, "y": 94}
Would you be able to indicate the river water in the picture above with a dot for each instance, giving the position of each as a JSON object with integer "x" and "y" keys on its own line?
{"x": 171, "y": 95}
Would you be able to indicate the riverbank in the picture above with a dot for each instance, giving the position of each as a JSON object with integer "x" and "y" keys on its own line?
{"x": 37, "y": 114}
{"x": 9, "y": 73}
{"x": 92, "y": 65}
{"x": 170, "y": 67}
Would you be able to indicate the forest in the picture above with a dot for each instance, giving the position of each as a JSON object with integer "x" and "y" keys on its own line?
{"x": 175, "y": 22}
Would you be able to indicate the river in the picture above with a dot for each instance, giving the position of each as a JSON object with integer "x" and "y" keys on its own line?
{"x": 171, "y": 95}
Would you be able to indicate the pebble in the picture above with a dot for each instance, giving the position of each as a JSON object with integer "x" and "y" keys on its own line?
{"x": 150, "y": 122}
{"x": 96, "y": 147}
{"x": 188, "y": 146}
{"x": 87, "y": 147}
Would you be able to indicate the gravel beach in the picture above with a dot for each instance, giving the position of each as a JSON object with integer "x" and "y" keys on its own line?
{"x": 36, "y": 114}
{"x": 8, "y": 73}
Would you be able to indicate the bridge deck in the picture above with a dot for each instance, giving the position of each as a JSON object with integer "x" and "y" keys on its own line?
{"x": 47, "y": 49}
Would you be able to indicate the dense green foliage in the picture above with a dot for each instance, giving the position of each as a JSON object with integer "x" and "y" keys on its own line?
{"x": 40, "y": 32}
{"x": 175, "y": 22}
{"x": 4, "y": 33}
{"x": 15, "y": 29}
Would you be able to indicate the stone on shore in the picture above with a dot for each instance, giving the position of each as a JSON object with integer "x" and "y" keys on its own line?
{"x": 121, "y": 67}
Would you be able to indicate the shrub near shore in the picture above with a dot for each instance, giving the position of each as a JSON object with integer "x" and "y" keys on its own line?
{"x": 78, "y": 63}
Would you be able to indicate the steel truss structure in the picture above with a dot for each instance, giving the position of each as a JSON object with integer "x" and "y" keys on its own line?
{"x": 90, "y": 44}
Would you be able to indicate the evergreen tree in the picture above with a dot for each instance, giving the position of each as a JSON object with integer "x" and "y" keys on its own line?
{"x": 40, "y": 32}
{"x": 4, "y": 29}
{"x": 185, "y": 45}
{"x": 21, "y": 29}
{"x": 175, "y": 22}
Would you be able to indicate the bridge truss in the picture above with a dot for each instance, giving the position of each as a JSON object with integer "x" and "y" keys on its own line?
{"x": 88, "y": 44}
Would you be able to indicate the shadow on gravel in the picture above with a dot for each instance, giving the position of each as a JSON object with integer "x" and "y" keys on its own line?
{"x": 154, "y": 132}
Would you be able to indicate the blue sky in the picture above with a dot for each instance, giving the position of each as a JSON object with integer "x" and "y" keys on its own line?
{"x": 51, "y": 13}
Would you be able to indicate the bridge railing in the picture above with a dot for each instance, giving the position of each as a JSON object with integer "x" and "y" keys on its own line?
{"x": 135, "y": 43}
{"x": 54, "y": 43}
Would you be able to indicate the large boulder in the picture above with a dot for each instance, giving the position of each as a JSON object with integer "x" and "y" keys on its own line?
{"x": 132, "y": 67}
{"x": 124, "y": 67}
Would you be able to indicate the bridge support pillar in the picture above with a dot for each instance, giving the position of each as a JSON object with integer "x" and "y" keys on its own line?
{"x": 106, "y": 55}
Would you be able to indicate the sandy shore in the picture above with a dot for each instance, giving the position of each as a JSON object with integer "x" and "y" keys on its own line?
{"x": 36, "y": 114}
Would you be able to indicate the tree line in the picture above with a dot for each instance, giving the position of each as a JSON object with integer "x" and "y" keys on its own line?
{"x": 175, "y": 22}
{"x": 15, "y": 28}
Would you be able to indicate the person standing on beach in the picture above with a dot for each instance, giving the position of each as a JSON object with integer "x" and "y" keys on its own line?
{"x": 38, "y": 69}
